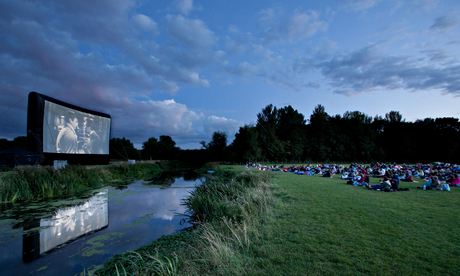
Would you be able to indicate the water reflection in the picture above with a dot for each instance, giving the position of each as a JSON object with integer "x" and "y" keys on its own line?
{"x": 45, "y": 234}
{"x": 69, "y": 236}
{"x": 170, "y": 178}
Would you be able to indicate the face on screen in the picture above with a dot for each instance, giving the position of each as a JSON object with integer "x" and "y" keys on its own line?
{"x": 70, "y": 131}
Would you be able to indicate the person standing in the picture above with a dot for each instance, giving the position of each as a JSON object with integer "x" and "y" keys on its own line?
{"x": 67, "y": 139}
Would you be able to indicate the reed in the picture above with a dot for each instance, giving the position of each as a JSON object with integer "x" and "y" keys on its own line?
{"x": 40, "y": 183}
{"x": 227, "y": 212}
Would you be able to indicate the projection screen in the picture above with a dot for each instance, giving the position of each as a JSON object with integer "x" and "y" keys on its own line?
{"x": 70, "y": 131}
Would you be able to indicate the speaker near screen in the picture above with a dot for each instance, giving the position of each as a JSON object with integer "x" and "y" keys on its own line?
{"x": 62, "y": 131}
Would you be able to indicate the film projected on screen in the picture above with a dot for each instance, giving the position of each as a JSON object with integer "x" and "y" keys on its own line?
{"x": 70, "y": 131}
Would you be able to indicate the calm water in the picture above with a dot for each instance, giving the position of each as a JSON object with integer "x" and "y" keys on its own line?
{"x": 67, "y": 237}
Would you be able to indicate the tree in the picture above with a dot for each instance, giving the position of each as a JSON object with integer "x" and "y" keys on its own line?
{"x": 167, "y": 148}
{"x": 394, "y": 138}
{"x": 122, "y": 148}
{"x": 268, "y": 117}
{"x": 357, "y": 117}
{"x": 320, "y": 142}
{"x": 245, "y": 146}
{"x": 150, "y": 149}
{"x": 289, "y": 120}
{"x": 393, "y": 117}
{"x": 290, "y": 130}
{"x": 319, "y": 116}
{"x": 267, "y": 121}
{"x": 217, "y": 146}
{"x": 357, "y": 130}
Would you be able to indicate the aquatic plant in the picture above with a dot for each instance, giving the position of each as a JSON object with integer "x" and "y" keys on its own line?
{"x": 39, "y": 183}
{"x": 226, "y": 211}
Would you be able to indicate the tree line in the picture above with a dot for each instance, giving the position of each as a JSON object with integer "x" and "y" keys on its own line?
{"x": 285, "y": 135}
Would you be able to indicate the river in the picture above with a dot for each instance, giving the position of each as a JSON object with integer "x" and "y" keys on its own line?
{"x": 67, "y": 237}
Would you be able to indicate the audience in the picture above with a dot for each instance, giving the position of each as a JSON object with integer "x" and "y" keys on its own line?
{"x": 436, "y": 176}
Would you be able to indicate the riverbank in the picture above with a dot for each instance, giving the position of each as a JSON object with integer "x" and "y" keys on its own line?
{"x": 227, "y": 212}
{"x": 42, "y": 183}
{"x": 307, "y": 225}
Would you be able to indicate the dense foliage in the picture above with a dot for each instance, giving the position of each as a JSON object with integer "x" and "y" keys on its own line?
{"x": 284, "y": 135}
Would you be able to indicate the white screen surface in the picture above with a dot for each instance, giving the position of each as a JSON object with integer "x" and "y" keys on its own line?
{"x": 70, "y": 131}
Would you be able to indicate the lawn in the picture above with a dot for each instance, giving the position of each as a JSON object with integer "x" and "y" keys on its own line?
{"x": 323, "y": 226}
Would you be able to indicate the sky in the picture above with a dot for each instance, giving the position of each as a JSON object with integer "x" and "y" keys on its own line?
{"x": 188, "y": 68}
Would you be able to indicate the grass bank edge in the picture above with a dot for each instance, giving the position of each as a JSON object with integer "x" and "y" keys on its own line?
{"x": 227, "y": 212}
{"x": 42, "y": 183}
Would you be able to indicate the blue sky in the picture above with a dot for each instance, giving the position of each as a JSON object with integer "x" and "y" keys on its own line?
{"x": 188, "y": 68}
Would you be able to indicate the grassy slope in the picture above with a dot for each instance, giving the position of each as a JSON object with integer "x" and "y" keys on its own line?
{"x": 317, "y": 226}
{"x": 321, "y": 225}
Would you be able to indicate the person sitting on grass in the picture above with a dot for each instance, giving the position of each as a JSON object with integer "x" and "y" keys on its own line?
{"x": 455, "y": 180}
{"x": 432, "y": 183}
{"x": 408, "y": 178}
{"x": 345, "y": 175}
{"x": 385, "y": 185}
{"x": 364, "y": 181}
{"x": 435, "y": 183}
{"x": 382, "y": 172}
{"x": 395, "y": 182}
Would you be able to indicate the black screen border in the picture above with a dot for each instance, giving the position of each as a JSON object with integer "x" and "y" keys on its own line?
{"x": 35, "y": 118}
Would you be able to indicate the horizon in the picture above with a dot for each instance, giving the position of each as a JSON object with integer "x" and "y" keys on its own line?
{"x": 189, "y": 68}
{"x": 139, "y": 146}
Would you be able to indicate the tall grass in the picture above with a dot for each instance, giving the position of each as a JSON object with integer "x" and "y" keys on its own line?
{"x": 227, "y": 211}
{"x": 39, "y": 183}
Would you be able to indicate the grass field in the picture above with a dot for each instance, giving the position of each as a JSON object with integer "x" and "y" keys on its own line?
{"x": 323, "y": 226}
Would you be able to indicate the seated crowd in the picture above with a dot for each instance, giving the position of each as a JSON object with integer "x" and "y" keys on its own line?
{"x": 436, "y": 176}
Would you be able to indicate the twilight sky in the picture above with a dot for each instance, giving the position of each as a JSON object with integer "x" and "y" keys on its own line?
{"x": 188, "y": 68}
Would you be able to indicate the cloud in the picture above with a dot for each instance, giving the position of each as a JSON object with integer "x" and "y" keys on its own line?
{"x": 99, "y": 57}
{"x": 443, "y": 23}
{"x": 102, "y": 21}
{"x": 190, "y": 32}
{"x": 244, "y": 69}
{"x": 146, "y": 23}
{"x": 305, "y": 24}
{"x": 140, "y": 120}
{"x": 215, "y": 123}
{"x": 366, "y": 69}
{"x": 184, "y": 6}
{"x": 279, "y": 26}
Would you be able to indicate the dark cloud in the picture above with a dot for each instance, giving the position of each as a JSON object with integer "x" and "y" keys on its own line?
{"x": 103, "y": 55}
{"x": 365, "y": 70}
{"x": 443, "y": 22}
